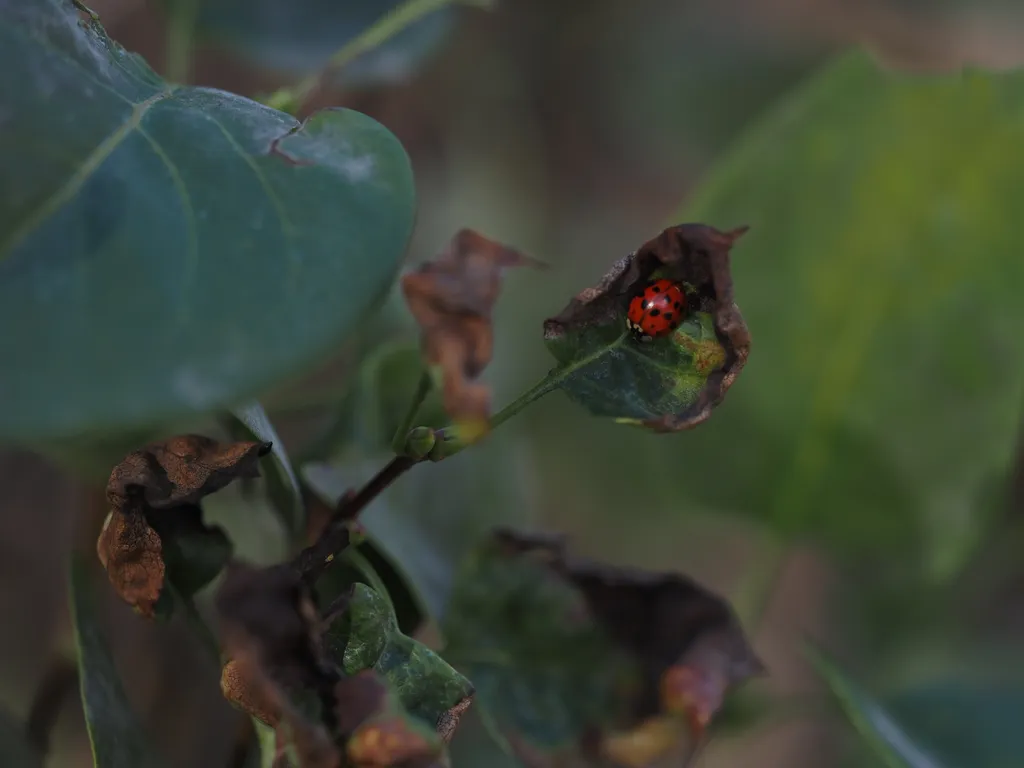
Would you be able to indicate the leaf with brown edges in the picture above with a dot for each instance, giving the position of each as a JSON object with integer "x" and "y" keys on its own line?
{"x": 155, "y": 533}
{"x": 673, "y": 382}
{"x": 451, "y": 299}
{"x": 576, "y": 657}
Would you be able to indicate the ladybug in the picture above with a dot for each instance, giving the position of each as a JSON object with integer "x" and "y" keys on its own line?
{"x": 657, "y": 311}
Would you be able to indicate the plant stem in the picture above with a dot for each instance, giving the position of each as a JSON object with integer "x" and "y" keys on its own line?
{"x": 180, "y": 33}
{"x": 426, "y": 383}
{"x": 383, "y": 30}
{"x": 312, "y": 561}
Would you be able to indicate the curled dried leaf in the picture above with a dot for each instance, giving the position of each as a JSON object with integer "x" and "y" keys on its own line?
{"x": 249, "y": 695}
{"x": 451, "y": 299}
{"x": 673, "y": 382}
{"x": 155, "y": 532}
{"x": 592, "y": 651}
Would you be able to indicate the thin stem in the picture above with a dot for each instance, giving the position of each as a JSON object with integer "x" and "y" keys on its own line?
{"x": 312, "y": 561}
{"x": 426, "y": 383}
{"x": 180, "y": 34}
{"x": 61, "y": 678}
{"x": 383, "y": 30}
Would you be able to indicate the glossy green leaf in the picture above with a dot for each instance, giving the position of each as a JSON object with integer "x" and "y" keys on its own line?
{"x": 300, "y": 36}
{"x": 117, "y": 736}
{"x": 891, "y": 744}
{"x": 250, "y": 422}
{"x": 968, "y": 724}
{"x": 604, "y": 369}
{"x": 15, "y": 750}
{"x": 542, "y": 668}
{"x": 881, "y": 282}
{"x": 130, "y": 213}
{"x": 367, "y": 637}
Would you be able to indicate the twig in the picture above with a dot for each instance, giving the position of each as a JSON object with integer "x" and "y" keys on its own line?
{"x": 312, "y": 561}
{"x": 60, "y": 679}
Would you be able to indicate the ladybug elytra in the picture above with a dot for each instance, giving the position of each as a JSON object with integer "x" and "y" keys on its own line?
{"x": 657, "y": 311}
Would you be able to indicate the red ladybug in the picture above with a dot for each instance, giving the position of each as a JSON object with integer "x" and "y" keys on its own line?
{"x": 657, "y": 311}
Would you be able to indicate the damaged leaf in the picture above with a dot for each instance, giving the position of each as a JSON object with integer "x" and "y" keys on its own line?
{"x": 115, "y": 732}
{"x": 670, "y": 383}
{"x": 250, "y": 422}
{"x": 377, "y": 731}
{"x": 451, "y": 299}
{"x": 570, "y": 656}
{"x": 155, "y": 532}
{"x": 366, "y": 636}
{"x": 179, "y": 192}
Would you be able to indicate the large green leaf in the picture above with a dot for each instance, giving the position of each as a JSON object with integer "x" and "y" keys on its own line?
{"x": 117, "y": 737}
{"x": 891, "y": 745}
{"x": 132, "y": 211}
{"x": 881, "y": 280}
{"x": 300, "y": 36}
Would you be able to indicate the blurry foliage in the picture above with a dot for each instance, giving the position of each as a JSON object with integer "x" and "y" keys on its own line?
{"x": 878, "y": 418}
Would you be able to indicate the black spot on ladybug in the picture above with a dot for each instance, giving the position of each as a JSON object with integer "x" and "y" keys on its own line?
{"x": 678, "y": 305}
{"x": 656, "y": 288}
{"x": 655, "y": 312}
{"x": 668, "y": 316}
{"x": 644, "y": 304}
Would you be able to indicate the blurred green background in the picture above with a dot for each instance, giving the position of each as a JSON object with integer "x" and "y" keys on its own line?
{"x": 863, "y": 482}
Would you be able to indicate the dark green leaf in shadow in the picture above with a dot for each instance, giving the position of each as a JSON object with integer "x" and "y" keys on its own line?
{"x": 156, "y": 201}
{"x": 366, "y": 636}
{"x": 15, "y": 749}
{"x": 968, "y": 724}
{"x": 118, "y": 740}
{"x": 300, "y": 36}
{"x": 250, "y": 422}
{"x": 668, "y": 383}
{"x": 885, "y": 301}
{"x": 884, "y": 735}
{"x": 568, "y": 655}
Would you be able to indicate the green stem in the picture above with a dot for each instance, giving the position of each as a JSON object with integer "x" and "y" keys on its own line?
{"x": 180, "y": 33}
{"x": 426, "y": 383}
{"x": 379, "y": 33}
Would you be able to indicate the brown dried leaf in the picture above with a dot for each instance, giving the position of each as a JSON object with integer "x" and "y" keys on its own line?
{"x": 249, "y": 695}
{"x": 155, "y": 531}
{"x": 130, "y": 551}
{"x": 451, "y": 299}
{"x": 591, "y": 328}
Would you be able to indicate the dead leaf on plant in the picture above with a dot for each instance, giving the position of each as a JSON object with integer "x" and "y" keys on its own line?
{"x": 451, "y": 299}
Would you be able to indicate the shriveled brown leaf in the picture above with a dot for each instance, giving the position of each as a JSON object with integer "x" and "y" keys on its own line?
{"x": 448, "y": 723}
{"x": 698, "y": 255}
{"x": 451, "y": 299}
{"x": 249, "y": 695}
{"x": 155, "y": 531}
{"x": 130, "y": 551}
{"x": 182, "y": 470}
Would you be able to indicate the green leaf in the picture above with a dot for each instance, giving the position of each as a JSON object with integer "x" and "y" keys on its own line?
{"x": 193, "y": 552}
{"x": 15, "y": 750}
{"x": 367, "y": 637}
{"x": 250, "y": 422}
{"x": 301, "y": 36}
{"x": 117, "y": 736}
{"x": 126, "y": 230}
{"x": 539, "y": 668}
{"x": 887, "y": 739}
{"x": 968, "y": 724}
{"x": 881, "y": 281}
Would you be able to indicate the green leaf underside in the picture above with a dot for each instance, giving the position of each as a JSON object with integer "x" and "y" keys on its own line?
{"x": 540, "y": 666}
{"x": 886, "y": 738}
{"x": 368, "y": 638}
{"x": 132, "y": 211}
{"x": 300, "y": 36}
{"x": 116, "y": 734}
{"x": 881, "y": 280}
{"x": 15, "y": 750}
{"x": 252, "y": 423}
{"x": 612, "y": 374}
